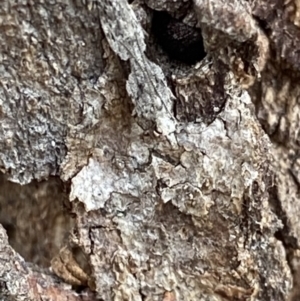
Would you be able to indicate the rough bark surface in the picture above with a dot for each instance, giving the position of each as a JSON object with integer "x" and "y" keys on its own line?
{"x": 184, "y": 179}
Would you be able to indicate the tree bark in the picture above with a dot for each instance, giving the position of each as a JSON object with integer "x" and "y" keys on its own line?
{"x": 183, "y": 177}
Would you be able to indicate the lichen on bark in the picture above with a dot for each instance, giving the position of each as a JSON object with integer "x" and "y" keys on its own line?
{"x": 165, "y": 206}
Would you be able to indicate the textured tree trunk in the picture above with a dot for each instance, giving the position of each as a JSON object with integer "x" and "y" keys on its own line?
{"x": 182, "y": 169}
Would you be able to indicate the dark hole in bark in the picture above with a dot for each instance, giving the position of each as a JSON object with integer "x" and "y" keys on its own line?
{"x": 36, "y": 218}
{"x": 180, "y": 41}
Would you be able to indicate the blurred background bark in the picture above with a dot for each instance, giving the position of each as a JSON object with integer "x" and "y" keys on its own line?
{"x": 160, "y": 139}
